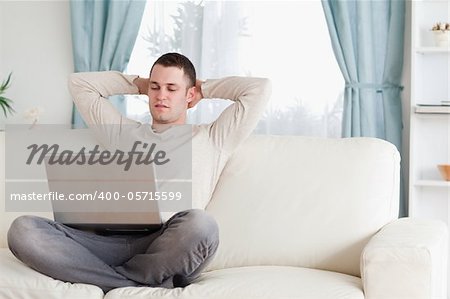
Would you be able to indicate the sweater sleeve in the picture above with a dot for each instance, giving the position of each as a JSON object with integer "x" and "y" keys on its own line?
{"x": 237, "y": 121}
{"x": 90, "y": 91}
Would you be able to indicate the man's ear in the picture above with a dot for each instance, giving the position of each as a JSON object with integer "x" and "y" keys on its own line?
{"x": 190, "y": 95}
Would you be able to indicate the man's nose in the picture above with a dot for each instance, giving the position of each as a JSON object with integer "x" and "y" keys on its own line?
{"x": 160, "y": 94}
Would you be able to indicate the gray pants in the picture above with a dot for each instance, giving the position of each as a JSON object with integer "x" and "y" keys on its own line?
{"x": 183, "y": 246}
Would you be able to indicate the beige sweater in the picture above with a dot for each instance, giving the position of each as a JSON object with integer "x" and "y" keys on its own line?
{"x": 212, "y": 144}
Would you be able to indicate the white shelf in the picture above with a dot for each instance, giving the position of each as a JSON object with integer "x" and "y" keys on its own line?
{"x": 432, "y": 109}
{"x": 431, "y": 1}
{"x": 433, "y": 50}
{"x": 432, "y": 116}
{"x": 432, "y": 183}
{"x": 429, "y": 193}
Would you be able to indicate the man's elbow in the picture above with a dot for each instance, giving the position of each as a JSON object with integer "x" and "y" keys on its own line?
{"x": 265, "y": 88}
{"x": 77, "y": 82}
{"x": 73, "y": 81}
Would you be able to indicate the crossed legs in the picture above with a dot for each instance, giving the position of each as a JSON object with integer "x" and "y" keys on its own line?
{"x": 182, "y": 248}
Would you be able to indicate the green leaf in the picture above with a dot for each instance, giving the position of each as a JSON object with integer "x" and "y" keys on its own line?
{"x": 5, "y": 103}
{"x": 5, "y": 84}
{"x": 4, "y": 109}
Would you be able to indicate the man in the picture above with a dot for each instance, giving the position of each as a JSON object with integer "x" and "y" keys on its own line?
{"x": 175, "y": 255}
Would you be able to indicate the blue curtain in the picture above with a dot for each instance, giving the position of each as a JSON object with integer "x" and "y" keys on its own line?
{"x": 367, "y": 39}
{"x": 103, "y": 36}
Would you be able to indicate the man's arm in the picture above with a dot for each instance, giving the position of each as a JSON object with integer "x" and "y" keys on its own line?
{"x": 90, "y": 91}
{"x": 235, "y": 124}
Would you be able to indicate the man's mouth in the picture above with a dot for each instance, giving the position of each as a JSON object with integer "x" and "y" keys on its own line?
{"x": 161, "y": 106}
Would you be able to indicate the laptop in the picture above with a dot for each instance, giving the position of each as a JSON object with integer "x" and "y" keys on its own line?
{"x": 104, "y": 197}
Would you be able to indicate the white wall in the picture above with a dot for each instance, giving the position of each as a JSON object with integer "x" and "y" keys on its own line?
{"x": 35, "y": 44}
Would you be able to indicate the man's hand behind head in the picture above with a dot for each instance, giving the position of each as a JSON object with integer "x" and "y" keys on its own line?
{"x": 142, "y": 85}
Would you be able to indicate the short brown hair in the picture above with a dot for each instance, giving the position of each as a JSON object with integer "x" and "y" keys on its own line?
{"x": 179, "y": 61}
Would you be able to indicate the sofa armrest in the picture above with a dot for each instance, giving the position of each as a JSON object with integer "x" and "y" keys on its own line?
{"x": 407, "y": 258}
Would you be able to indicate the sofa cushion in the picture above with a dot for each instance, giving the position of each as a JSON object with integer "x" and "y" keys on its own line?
{"x": 256, "y": 282}
{"x": 17, "y": 281}
{"x": 306, "y": 202}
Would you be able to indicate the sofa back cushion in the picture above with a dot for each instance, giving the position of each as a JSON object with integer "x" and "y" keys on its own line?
{"x": 308, "y": 202}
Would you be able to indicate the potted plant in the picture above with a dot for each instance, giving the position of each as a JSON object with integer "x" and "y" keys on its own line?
{"x": 441, "y": 33}
{"x": 5, "y": 103}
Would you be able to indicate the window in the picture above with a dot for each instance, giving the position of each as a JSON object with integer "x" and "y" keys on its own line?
{"x": 287, "y": 42}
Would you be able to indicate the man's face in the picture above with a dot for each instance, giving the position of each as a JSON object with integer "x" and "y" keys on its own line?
{"x": 168, "y": 95}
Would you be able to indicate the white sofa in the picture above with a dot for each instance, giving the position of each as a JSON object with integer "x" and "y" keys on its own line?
{"x": 299, "y": 218}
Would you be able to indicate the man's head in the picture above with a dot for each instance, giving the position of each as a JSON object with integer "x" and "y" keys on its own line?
{"x": 171, "y": 88}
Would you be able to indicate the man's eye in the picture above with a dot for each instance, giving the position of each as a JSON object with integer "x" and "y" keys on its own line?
{"x": 172, "y": 89}
{"x": 154, "y": 88}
